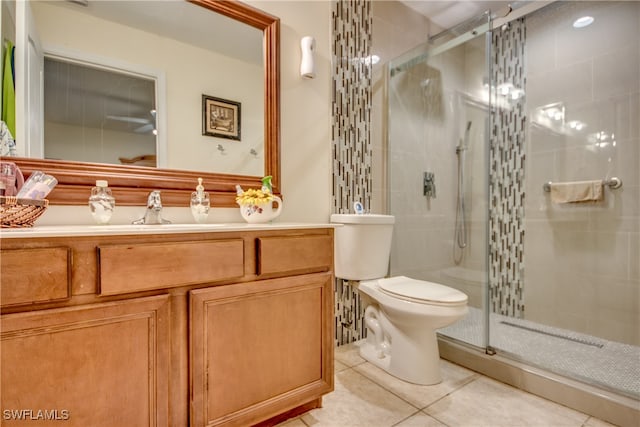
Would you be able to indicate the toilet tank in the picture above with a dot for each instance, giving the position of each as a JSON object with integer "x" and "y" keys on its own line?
{"x": 362, "y": 245}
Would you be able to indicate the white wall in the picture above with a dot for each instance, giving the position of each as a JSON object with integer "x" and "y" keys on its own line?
{"x": 305, "y": 110}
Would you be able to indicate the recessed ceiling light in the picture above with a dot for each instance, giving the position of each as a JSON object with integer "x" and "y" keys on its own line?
{"x": 583, "y": 22}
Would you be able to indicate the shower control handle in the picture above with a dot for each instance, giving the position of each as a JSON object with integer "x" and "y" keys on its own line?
{"x": 429, "y": 185}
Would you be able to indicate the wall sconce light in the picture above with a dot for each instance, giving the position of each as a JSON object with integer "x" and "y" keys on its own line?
{"x": 307, "y": 65}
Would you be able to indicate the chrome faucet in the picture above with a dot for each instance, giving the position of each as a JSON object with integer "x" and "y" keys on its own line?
{"x": 153, "y": 215}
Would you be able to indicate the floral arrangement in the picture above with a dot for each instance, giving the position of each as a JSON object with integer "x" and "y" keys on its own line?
{"x": 254, "y": 197}
{"x": 256, "y": 205}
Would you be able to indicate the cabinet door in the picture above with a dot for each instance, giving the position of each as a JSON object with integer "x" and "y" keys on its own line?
{"x": 261, "y": 348}
{"x": 94, "y": 365}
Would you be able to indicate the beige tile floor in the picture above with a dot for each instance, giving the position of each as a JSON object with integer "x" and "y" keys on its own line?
{"x": 365, "y": 395}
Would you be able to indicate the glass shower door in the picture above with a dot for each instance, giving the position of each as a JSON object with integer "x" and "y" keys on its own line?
{"x": 564, "y": 275}
{"x": 477, "y": 126}
{"x": 438, "y": 134}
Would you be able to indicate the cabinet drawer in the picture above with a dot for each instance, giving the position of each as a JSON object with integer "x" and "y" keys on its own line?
{"x": 294, "y": 254}
{"x": 140, "y": 267}
{"x": 35, "y": 275}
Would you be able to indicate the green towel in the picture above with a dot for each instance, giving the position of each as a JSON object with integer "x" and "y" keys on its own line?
{"x": 8, "y": 91}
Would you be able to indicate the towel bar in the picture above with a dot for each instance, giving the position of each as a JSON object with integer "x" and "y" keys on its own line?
{"x": 612, "y": 182}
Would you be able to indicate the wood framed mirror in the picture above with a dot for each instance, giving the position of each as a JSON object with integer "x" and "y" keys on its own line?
{"x": 132, "y": 184}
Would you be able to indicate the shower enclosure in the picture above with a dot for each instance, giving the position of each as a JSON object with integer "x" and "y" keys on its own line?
{"x": 495, "y": 109}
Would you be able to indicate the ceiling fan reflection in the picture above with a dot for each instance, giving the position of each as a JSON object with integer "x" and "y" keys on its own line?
{"x": 146, "y": 125}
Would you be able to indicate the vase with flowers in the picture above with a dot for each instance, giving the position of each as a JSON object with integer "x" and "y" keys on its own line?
{"x": 256, "y": 205}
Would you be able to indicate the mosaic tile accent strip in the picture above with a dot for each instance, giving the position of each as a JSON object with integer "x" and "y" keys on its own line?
{"x": 351, "y": 103}
{"x": 506, "y": 175}
{"x": 351, "y": 138}
{"x": 349, "y": 313}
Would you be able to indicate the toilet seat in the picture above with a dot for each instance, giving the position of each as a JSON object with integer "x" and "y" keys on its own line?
{"x": 422, "y": 292}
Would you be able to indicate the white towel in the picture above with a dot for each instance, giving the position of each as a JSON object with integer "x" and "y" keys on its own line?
{"x": 577, "y": 192}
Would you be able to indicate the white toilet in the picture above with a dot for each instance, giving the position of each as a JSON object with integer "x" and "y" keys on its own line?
{"x": 402, "y": 314}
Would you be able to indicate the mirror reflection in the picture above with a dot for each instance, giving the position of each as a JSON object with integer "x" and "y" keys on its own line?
{"x": 148, "y": 110}
{"x": 98, "y": 115}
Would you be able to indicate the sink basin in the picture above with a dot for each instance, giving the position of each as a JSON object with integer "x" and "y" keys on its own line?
{"x": 153, "y": 227}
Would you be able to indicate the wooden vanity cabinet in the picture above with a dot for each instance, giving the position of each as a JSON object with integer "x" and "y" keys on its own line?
{"x": 199, "y": 329}
{"x": 90, "y": 365}
{"x": 258, "y": 349}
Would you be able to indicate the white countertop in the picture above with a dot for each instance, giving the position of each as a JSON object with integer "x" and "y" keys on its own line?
{"x": 128, "y": 229}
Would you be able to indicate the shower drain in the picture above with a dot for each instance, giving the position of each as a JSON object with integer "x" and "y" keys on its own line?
{"x": 556, "y": 335}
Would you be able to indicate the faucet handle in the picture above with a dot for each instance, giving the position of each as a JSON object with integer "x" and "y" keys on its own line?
{"x": 154, "y": 201}
{"x": 429, "y": 185}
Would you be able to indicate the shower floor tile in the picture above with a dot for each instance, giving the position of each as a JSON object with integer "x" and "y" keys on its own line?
{"x": 596, "y": 361}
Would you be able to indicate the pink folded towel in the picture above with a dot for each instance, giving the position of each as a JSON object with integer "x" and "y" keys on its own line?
{"x": 577, "y": 192}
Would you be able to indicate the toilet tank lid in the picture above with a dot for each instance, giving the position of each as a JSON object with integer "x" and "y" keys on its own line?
{"x": 362, "y": 219}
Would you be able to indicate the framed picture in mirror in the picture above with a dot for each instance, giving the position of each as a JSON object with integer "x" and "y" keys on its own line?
{"x": 220, "y": 117}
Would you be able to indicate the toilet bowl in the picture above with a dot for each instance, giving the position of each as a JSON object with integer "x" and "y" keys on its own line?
{"x": 401, "y": 313}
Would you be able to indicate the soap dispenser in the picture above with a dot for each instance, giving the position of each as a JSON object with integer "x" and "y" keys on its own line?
{"x": 101, "y": 202}
{"x": 200, "y": 203}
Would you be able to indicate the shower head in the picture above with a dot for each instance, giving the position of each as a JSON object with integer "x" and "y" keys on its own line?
{"x": 502, "y": 12}
{"x": 466, "y": 135}
{"x": 464, "y": 143}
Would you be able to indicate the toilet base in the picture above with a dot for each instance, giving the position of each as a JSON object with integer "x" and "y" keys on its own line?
{"x": 401, "y": 334}
{"x": 415, "y": 364}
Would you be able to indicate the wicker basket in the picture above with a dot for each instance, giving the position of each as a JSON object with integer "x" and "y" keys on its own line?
{"x": 19, "y": 213}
